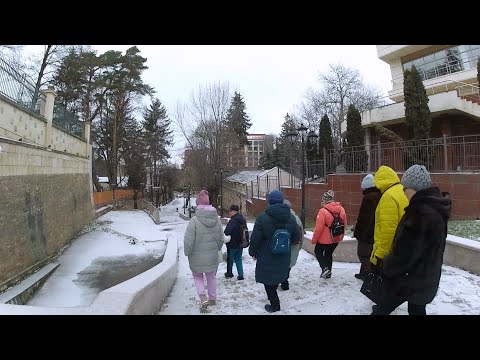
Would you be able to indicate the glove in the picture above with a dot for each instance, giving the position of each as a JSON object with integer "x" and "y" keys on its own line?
{"x": 379, "y": 262}
{"x": 226, "y": 238}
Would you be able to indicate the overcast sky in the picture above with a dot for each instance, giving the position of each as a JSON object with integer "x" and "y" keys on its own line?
{"x": 271, "y": 78}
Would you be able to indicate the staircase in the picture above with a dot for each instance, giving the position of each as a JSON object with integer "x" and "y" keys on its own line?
{"x": 469, "y": 92}
{"x": 472, "y": 98}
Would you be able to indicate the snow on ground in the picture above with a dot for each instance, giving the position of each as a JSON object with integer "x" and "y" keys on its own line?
{"x": 103, "y": 249}
{"x": 110, "y": 235}
{"x": 459, "y": 291}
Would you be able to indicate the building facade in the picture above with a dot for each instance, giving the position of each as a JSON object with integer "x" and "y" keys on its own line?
{"x": 249, "y": 157}
{"x": 449, "y": 74}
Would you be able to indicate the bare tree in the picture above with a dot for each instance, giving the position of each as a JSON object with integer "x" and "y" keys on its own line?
{"x": 41, "y": 66}
{"x": 202, "y": 122}
{"x": 13, "y": 55}
{"x": 341, "y": 87}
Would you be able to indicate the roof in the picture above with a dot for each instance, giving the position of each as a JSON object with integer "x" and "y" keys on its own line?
{"x": 244, "y": 177}
{"x": 104, "y": 179}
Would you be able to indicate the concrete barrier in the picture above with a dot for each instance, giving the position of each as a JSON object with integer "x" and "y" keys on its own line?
{"x": 141, "y": 295}
{"x": 102, "y": 211}
{"x": 459, "y": 252}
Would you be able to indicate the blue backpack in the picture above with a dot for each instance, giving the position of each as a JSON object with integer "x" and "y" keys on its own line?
{"x": 280, "y": 241}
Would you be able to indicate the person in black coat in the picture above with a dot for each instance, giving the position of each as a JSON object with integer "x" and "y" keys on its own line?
{"x": 271, "y": 269}
{"x": 413, "y": 268}
{"x": 234, "y": 228}
{"x": 365, "y": 224}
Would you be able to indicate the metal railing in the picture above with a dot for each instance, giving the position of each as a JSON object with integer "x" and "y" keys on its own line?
{"x": 262, "y": 186}
{"x": 17, "y": 87}
{"x": 445, "y": 154}
{"x": 444, "y": 69}
{"x": 68, "y": 120}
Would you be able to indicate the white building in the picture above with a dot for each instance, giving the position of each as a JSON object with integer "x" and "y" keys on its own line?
{"x": 449, "y": 74}
{"x": 249, "y": 157}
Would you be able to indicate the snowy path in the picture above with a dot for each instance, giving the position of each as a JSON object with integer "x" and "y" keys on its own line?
{"x": 459, "y": 291}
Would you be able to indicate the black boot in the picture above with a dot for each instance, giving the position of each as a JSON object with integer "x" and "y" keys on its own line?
{"x": 229, "y": 273}
{"x": 271, "y": 309}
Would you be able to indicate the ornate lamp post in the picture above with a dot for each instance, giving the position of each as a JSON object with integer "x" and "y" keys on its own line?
{"x": 313, "y": 139}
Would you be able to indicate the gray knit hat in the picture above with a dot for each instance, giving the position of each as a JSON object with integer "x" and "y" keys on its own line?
{"x": 417, "y": 178}
{"x": 367, "y": 182}
{"x": 328, "y": 196}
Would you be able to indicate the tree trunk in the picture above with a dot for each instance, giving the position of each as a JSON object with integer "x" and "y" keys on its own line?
{"x": 135, "y": 204}
{"x": 40, "y": 77}
{"x": 95, "y": 178}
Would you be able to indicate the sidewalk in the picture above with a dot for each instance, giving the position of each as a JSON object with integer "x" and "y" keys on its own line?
{"x": 459, "y": 292}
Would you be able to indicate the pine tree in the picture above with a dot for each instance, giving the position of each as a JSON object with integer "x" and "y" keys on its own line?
{"x": 325, "y": 141}
{"x": 417, "y": 118}
{"x": 355, "y": 158}
{"x": 157, "y": 136}
{"x": 266, "y": 161}
{"x": 237, "y": 120}
{"x": 417, "y": 113}
{"x": 285, "y": 147}
{"x": 355, "y": 134}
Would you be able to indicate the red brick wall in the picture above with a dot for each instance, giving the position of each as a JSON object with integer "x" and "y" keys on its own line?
{"x": 463, "y": 188}
{"x": 465, "y": 192}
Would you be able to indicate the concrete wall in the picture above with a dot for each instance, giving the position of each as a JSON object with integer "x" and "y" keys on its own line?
{"x": 438, "y": 103}
{"x": 46, "y": 201}
{"x": 18, "y": 123}
{"x": 461, "y": 253}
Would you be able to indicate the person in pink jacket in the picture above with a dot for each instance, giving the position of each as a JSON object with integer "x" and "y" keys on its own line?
{"x": 325, "y": 245}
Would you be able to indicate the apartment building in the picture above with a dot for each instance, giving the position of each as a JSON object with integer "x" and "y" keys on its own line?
{"x": 249, "y": 157}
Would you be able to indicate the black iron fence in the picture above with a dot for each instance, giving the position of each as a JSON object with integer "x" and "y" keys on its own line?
{"x": 18, "y": 87}
{"x": 445, "y": 154}
{"x": 68, "y": 120}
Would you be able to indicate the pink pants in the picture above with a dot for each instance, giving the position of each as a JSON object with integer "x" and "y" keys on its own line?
{"x": 211, "y": 284}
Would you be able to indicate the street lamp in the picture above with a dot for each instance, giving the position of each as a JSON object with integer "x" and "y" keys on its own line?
{"x": 184, "y": 196}
{"x": 313, "y": 140}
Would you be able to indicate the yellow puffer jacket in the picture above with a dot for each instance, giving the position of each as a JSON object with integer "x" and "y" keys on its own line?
{"x": 389, "y": 211}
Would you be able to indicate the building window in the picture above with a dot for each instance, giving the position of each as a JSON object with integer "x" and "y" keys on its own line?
{"x": 447, "y": 61}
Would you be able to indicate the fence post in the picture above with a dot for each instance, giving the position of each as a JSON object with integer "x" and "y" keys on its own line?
{"x": 278, "y": 178}
{"x": 325, "y": 165}
{"x": 445, "y": 153}
{"x": 50, "y": 95}
{"x": 258, "y": 188}
{"x": 369, "y": 157}
{"x": 379, "y": 154}
{"x": 252, "y": 187}
{"x": 268, "y": 185}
